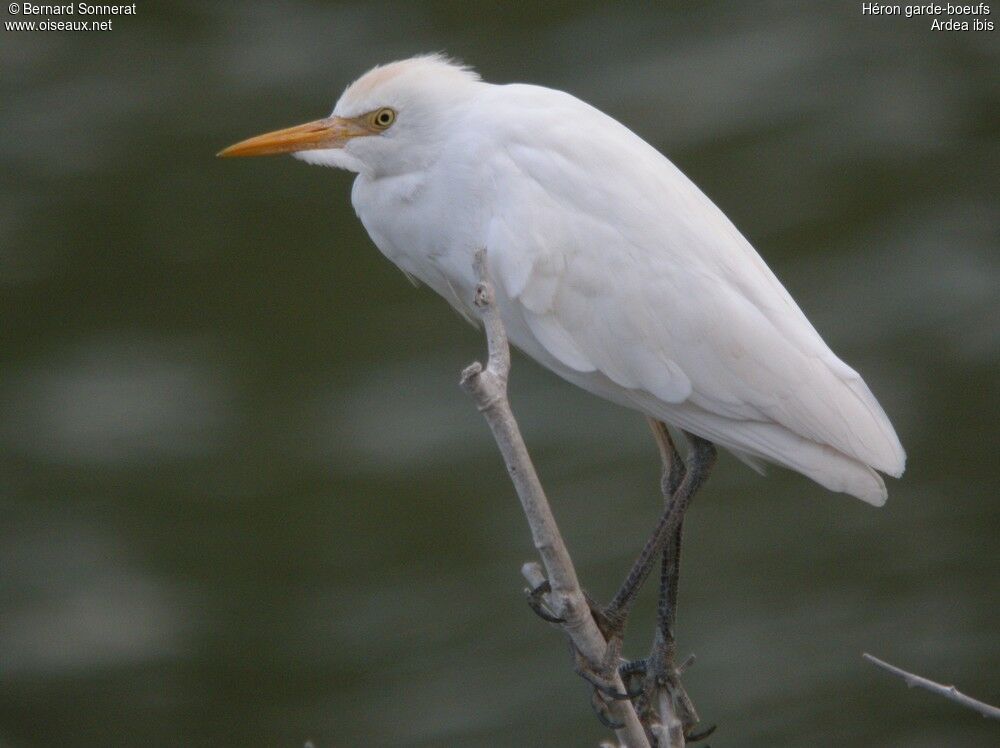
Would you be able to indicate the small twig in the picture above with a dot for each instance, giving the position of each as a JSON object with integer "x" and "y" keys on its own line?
{"x": 488, "y": 388}
{"x": 671, "y": 730}
{"x": 948, "y": 692}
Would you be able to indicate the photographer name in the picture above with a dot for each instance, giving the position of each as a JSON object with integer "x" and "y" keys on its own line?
{"x": 77, "y": 9}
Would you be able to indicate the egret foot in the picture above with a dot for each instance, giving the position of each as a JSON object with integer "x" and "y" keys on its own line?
{"x": 646, "y": 679}
{"x": 601, "y": 675}
{"x": 600, "y": 678}
{"x": 600, "y": 707}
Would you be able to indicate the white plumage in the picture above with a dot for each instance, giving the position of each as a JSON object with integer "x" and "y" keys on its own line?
{"x": 612, "y": 268}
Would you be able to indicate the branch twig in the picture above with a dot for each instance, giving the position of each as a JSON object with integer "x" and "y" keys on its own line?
{"x": 671, "y": 730}
{"x": 488, "y": 388}
{"x": 948, "y": 692}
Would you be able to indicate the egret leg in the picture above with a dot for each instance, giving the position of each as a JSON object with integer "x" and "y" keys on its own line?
{"x": 674, "y": 471}
{"x": 612, "y": 618}
{"x": 689, "y": 479}
{"x": 673, "y": 463}
{"x": 659, "y": 671}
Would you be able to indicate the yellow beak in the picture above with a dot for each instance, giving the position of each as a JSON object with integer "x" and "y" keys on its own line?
{"x": 331, "y": 132}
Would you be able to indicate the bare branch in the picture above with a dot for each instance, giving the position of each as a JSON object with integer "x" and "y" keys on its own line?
{"x": 948, "y": 692}
{"x": 488, "y": 388}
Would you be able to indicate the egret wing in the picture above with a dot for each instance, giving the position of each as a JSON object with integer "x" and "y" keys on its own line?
{"x": 620, "y": 266}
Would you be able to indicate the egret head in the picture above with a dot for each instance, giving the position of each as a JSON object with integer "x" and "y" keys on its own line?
{"x": 386, "y": 122}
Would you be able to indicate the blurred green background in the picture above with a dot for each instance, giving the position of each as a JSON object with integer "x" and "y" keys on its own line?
{"x": 245, "y": 502}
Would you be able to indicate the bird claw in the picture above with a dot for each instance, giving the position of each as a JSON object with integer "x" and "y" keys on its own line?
{"x": 629, "y": 672}
{"x": 536, "y": 601}
{"x": 599, "y": 677}
{"x": 604, "y": 690}
{"x": 600, "y": 708}
{"x": 602, "y": 686}
{"x": 693, "y": 736}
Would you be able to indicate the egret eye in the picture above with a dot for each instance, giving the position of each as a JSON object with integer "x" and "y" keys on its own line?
{"x": 382, "y": 118}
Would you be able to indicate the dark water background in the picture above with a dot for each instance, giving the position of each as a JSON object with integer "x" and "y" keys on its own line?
{"x": 244, "y": 501}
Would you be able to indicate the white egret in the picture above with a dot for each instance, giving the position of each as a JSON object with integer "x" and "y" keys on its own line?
{"x": 610, "y": 267}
